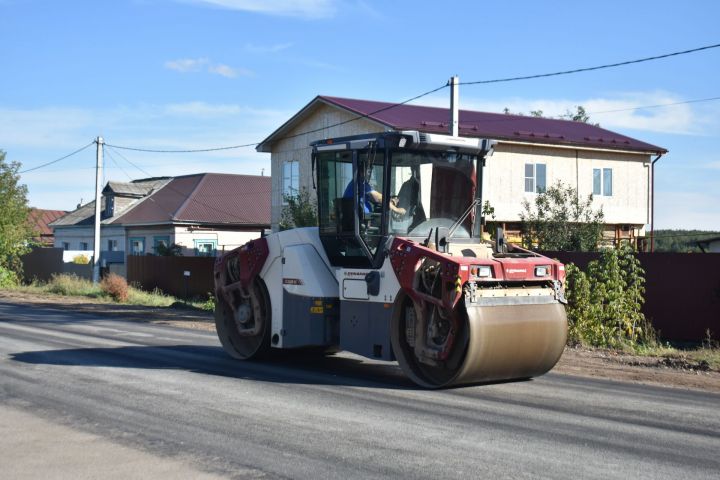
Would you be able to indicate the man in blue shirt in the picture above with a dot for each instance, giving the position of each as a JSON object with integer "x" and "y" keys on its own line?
{"x": 369, "y": 196}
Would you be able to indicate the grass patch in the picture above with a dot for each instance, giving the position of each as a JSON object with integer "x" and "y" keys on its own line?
{"x": 74, "y": 286}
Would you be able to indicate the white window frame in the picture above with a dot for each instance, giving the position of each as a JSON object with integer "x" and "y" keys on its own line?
{"x": 290, "y": 179}
{"x": 604, "y": 187}
{"x": 534, "y": 177}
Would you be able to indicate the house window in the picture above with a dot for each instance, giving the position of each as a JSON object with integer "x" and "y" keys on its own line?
{"x": 535, "y": 177}
{"x": 137, "y": 246}
{"x": 163, "y": 240}
{"x": 205, "y": 248}
{"x": 66, "y": 245}
{"x": 109, "y": 206}
{"x": 291, "y": 179}
{"x": 112, "y": 245}
{"x": 602, "y": 181}
{"x": 84, "y": 246}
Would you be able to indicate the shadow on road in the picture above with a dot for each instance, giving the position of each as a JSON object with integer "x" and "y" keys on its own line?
{"x": 284, "y": 367}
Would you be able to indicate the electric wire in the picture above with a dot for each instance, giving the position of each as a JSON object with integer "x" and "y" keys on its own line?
{"x": 699, "y": 100}
{"x": 57, "y": 160}
{"x": 589, "y": 69}
{"x": 357, "y": 117}
{"x": 169, "y": 187}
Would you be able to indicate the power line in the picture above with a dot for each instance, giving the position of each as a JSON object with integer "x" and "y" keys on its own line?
{"x": 59, "y": 159}
{"x": 358, "y": 117}
{"x": 656, "y": 106}
{"x": 169, "y": 187}
{"x": 588, "y": 69}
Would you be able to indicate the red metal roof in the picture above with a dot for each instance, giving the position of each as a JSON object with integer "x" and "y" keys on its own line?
{"x": 496, "y": 126}
{"x": 207, "y": 198}
{"x": 40, "y": 218}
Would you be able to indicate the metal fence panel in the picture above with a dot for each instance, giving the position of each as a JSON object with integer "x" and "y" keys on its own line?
{"x": 168, "y": 274}
{"x": 682, "y": 291}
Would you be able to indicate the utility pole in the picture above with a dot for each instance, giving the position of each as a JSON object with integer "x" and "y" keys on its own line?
{"x": 454, "y": 106}
{"x": 98, "y": 187}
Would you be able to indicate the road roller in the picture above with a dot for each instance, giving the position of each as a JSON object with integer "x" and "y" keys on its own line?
{"x": 399, "y": 268}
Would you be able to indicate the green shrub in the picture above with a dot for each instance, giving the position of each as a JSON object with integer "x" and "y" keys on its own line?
{"x": 209, "y": 304}
{"x": 605, "y": 302}
{"x": 8, "y": 278}
{"x": 115, "y": 286}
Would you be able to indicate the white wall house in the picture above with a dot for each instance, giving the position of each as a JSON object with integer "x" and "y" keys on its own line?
{"x": 204, "y": 214}
{"x": 531, "y": 154}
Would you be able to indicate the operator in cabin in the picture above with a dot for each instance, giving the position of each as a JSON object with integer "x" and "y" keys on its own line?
{"x": 368, "y": 196}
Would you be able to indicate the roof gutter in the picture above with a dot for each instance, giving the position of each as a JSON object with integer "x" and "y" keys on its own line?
{"x": 652, "y": 203}
{"x": 578, "y": 147}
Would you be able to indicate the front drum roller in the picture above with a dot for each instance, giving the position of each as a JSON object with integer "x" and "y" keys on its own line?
{"x": 244, "y": 330}
{"x": 492, "y": 343}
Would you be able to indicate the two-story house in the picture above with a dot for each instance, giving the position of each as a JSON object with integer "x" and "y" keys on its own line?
{"x": 530, "y": 155}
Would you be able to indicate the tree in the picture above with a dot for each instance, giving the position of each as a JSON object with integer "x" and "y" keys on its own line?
{"x": 579, "y": 115}
{"x": 559, "y": 220}
{"x": 15, "y": 231}
{"x": 172, "y": 250}
{"x": 300, "y": 211}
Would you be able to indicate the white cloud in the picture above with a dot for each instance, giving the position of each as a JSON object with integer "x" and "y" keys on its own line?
{"x": 265, "y": 49}
{"x": 189, "y": 65}
{"x": 616, "y": 111}
{"x": 291, "y": 8}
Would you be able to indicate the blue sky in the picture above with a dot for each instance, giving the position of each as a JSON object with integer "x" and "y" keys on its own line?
{"x": 177, "y": 74}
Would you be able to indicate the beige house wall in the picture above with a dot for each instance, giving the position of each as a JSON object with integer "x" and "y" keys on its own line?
{"x": 297, "y": 147}
{"x": 504, "y": 180}
{"x": 504, "y": 175}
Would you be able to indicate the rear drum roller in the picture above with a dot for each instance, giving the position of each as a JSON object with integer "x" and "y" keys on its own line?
{"x": 244, "y": 331}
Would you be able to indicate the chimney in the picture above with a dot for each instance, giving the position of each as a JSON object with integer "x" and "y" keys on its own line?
{"x": 454, "y": 106}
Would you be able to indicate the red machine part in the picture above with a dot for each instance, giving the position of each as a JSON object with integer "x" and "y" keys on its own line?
{"x": 237, "y": 269}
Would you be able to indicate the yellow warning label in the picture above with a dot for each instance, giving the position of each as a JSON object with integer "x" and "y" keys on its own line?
{"x": 316, "y": 310}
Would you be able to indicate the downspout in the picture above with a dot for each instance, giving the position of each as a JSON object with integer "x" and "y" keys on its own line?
{"x": 652, "y": 203}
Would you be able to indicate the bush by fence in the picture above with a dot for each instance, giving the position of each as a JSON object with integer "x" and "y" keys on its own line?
{"x": 682, "y": 291}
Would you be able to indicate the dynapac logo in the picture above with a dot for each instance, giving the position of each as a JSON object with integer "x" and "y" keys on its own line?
{"x": 516, "y": 270}
{"x": 355, "y": 274}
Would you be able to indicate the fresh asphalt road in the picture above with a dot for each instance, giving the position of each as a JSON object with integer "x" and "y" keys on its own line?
{"x": 173, "y": 393}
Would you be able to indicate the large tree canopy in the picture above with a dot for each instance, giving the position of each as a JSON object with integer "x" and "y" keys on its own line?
{"x": 15, "y": 232}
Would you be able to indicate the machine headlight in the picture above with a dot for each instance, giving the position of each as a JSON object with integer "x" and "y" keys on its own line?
{"x": 483, "y": 271}
{"x": 543, "y": 271}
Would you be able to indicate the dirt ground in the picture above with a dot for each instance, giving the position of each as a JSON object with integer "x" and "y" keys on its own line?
{"x": 575, "y": 361}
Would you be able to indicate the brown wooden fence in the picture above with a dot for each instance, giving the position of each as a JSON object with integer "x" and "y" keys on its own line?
{"x": 167, "y": 274}
{"x": 682, "y": 291}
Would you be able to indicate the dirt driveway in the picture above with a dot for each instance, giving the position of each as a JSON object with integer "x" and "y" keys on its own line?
{"x": 575, "y": 361}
